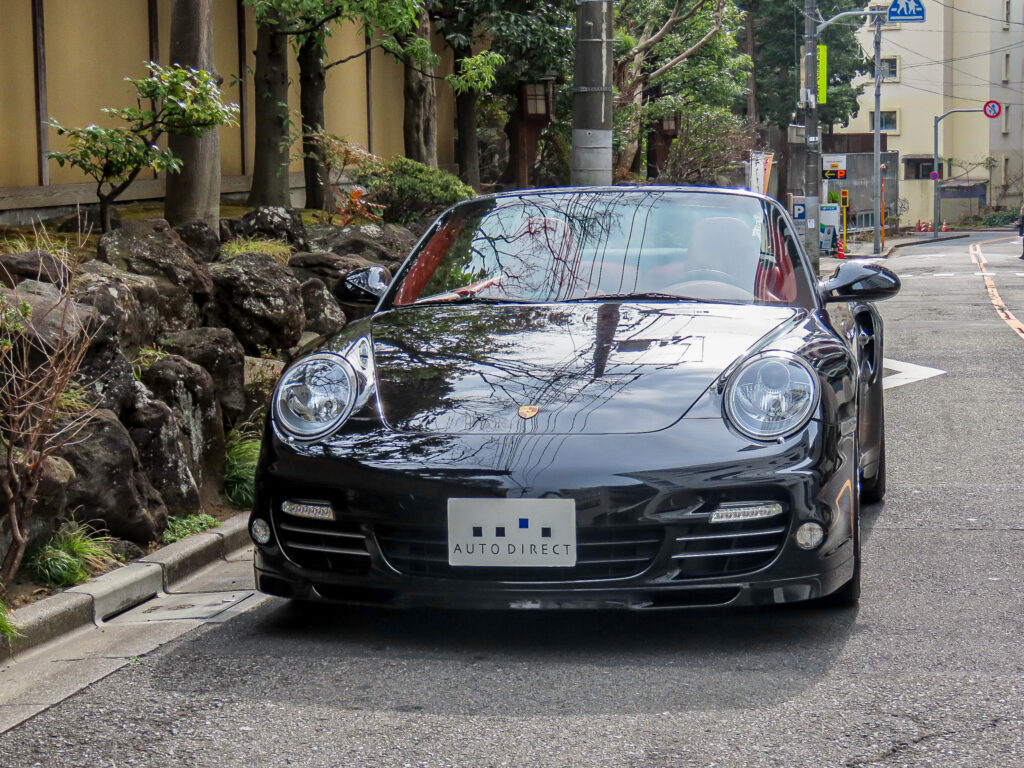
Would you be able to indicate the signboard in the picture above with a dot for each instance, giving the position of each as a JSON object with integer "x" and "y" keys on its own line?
{"x": 906, "y": 10}
{"x": 799, "y": 211}
{"x": 993, "y": 109}
{"x": 934, "y": 175}
{"x": 822, "y": 74}
{"x": 837, "y": 174}
{"x": 833, "y": 162}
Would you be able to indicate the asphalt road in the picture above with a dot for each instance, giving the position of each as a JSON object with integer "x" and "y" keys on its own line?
{"x": 929, "y": 671}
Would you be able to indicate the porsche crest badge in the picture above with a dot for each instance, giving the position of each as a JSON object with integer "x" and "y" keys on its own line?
{"x": 528, "y": 411}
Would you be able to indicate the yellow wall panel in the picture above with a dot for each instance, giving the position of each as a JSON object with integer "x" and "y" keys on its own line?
{"x": 345, "y": 100}
{"x": 388, "y": 105}
{"x": 17, "y": 96}
{"x": 91, "y": 46}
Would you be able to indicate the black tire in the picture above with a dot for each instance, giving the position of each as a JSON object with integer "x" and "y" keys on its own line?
{"x": 848, "y": 595}
{"x": 873, "y": 491}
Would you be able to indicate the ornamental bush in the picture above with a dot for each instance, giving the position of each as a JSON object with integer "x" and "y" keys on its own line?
{"x": 410, "y": 190}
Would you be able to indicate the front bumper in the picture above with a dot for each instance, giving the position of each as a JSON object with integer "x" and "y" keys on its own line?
{"x": 645, "y": 537}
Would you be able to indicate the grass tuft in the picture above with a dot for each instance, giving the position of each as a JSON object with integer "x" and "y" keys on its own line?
{"x": 243, "y": 453}
{"x": 74, "y": 554}
{"x": 74, "y": 401}
{"x": 180, "y": 527}
{"x": 279, "y": 249}
{"x": 7, "y": 629}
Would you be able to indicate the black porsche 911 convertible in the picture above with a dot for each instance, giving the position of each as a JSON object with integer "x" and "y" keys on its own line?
{"x": 584, "y": 398}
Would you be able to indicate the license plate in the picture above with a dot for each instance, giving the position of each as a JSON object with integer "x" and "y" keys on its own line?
{"x": 502, "y": 533}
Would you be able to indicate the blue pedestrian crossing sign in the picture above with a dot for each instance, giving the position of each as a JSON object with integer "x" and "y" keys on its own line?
{"x": 906, "y": 10}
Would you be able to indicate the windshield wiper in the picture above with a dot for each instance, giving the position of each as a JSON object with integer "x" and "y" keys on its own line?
{"x": 649, "y": 296}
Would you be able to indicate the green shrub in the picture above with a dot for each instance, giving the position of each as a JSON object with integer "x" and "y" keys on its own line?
{"x": 1000, "y": 219}
{"x": 74, "y": 554}
{"x": 410, "y": 190}
{"x": 180, "y": 527}
{"x": 242, "y": 455}
{"x": 7, "y": 629}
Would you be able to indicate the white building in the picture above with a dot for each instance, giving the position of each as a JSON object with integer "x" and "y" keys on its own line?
{"x": 966, "y": 53}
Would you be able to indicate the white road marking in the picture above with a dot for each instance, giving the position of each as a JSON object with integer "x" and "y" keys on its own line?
{"x": 897, "y": 373}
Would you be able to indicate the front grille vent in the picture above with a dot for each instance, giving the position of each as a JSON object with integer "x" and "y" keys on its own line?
{"x": 703, "y": 549}
{"x": 603, "y": 553}
{"x": 322, "y": 545}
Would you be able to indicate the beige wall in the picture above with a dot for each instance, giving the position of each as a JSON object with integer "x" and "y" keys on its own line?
{"x": 17, "y": 95}
{"x": 92, "y": 45}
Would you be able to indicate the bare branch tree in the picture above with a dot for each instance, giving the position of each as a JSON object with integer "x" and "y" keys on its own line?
{"x": 43, "y": 338}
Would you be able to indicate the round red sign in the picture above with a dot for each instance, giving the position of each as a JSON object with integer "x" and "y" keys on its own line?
{"x": 993, "y": 109}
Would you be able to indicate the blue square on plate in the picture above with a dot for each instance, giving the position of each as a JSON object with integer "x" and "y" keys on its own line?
{"x": 524, "y": 523}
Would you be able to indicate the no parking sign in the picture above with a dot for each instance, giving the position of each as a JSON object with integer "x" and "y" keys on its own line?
{"x": 993, "y": 109}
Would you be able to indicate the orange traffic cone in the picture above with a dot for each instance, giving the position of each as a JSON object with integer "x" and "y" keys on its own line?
{"x": 944, "y": 227}
{"x": 920, "y": 226}
{"x": 840, "y": 251}
{"x": 929, "y": 227}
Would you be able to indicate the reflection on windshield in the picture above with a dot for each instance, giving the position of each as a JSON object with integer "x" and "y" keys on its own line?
{"x": 572, "y": 246}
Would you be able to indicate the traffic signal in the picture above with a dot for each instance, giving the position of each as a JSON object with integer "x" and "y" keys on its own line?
{"x": 844, "y": 198}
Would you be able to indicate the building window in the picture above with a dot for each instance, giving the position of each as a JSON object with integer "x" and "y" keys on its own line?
{"x": 1007, "y": 6}
{"x": 1006, "y": 67}
{"x": 916, "y": 168}
{"x": 1006, "y": 171}
{"x": 1006, "y": 118}
{"x": 889, "y": 122}
{"x": 890, "y": 68}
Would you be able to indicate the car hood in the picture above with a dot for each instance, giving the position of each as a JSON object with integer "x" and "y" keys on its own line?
{"x": 593, "y": 368}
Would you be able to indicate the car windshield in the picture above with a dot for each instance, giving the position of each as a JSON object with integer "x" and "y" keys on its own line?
{"x": 651, "y": 243}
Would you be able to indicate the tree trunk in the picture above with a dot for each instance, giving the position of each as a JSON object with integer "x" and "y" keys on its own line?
{"x": 467, "y": 150}
{"x": 106, "y": 201}
{"x": 313, "y": 84}
{"x": 270, "y": 114}
{"x": 751, "y": 80}
{"x": 194, "y": 193}
{"x": 420, "y": 123}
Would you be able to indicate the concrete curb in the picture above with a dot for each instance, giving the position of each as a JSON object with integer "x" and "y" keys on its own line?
{"x": 105, "y": 596}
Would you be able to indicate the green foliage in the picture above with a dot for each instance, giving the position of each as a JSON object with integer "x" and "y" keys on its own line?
{"x": 281, "y": 250}
{"x": 7, "y": 629}
{"x": 778, "y": 28}
{"x": 180, "y": 527}
{"x": 243, "y": 453}
{"x": 14, "y": 318}
{"x": 476, "y": 73}
{"x": 70, "y": 557}
{"x": 1000, "y": 219}
{"x": 409, "y": 190}
{"x": 185, "y": 101}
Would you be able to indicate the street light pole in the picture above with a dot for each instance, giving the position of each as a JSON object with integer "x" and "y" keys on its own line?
{"x": 592, "y": 95}
{"x": 877, "y": 185}
{"x": 812, "y": 183}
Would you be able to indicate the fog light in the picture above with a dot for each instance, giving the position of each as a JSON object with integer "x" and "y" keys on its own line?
{"x": 737, "y": 513}
{"x": 310, "y": 509}
{"x": 260, "y": 531}
{"x": 809, "y": 535}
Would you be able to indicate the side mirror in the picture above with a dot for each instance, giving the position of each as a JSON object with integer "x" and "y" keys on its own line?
{"x": 363, "y": 285}
{"x": 857, "y": 281}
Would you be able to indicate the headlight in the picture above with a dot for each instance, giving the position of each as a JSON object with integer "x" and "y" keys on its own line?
{"x": 771, "y": 395}
{"x": 315, "y": 396}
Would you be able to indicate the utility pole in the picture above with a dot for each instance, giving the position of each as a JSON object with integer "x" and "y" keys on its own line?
{"x": 877, "y": 185}
{"x": 592, "y": 94}
{"x": 812, "y": 173}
